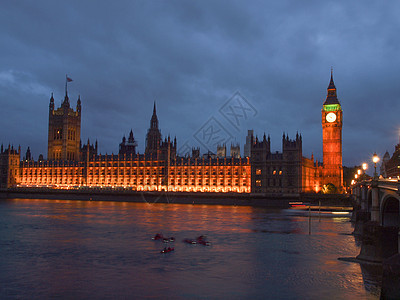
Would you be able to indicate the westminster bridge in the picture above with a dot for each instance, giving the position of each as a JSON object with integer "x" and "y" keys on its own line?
{"x": 379, "y": 199}
{"x": 377, "y": 222}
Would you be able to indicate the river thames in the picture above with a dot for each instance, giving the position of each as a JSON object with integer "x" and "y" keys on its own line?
{"x": 88, "y": 249}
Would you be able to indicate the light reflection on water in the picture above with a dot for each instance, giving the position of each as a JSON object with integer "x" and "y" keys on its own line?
{"x": 83, "y": 249}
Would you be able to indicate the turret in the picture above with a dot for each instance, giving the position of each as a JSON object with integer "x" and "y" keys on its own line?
{"x": 264, "y": 145}
{"x": 51, "y": 106}
{"x": 127, "y": 147}
{"x": 130, "y": 138}
{"x": 65, "y": 103}
{"x": 235, "y": 149}
{"x": 78, "y": 105}
{"x": 28, "y": 155}
{"x": 288, "y": 144}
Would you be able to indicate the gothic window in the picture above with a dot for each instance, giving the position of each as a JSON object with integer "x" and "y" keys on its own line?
{"x": 58, "y": 134}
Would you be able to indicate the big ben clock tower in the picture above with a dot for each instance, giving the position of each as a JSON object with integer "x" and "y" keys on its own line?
{"x": 332, "y": 118}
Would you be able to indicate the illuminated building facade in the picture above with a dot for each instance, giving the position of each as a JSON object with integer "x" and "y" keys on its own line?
{"x": 73, "y": 166}
{"x": 136, "y": 173}
{"x": 156, "y": 170}
{"x": 64, "y": 131}
{"x": 332, "y": 121}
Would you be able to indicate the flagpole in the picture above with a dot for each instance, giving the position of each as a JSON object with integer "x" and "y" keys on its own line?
{"x": 66, "y": 84}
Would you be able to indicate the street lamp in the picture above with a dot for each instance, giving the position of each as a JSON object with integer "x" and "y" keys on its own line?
{"x": 375, "y": 159}
{"x": 364, "y": 167}
{"x": 358, "y": 172}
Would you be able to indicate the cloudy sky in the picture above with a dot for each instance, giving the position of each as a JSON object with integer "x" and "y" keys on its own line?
{"x": 225, "y": 66}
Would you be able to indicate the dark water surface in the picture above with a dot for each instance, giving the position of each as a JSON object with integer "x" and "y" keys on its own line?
{"x": 78, "y": 249}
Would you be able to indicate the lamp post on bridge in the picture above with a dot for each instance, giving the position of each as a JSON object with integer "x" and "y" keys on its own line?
{"x": 364, "y": 167}
{"x": 375, "y": 159}
{"x": 375, "y": 192}
{"x": 359, "y": 175}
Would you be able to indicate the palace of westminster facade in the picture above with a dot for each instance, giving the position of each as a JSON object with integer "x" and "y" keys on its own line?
{"x": 71, "y": 165}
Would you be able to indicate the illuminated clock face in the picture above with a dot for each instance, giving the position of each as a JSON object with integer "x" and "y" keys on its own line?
{"x": 331, "y": 117}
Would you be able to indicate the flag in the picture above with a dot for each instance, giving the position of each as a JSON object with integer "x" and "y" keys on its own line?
{"x": 69, "y": 79}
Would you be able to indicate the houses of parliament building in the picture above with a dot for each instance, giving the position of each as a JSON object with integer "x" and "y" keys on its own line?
{"x": 71, "y": 165}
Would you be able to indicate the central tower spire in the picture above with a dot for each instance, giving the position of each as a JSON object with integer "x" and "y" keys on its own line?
{"x": 331, "y": 98}
{"x": 154, "y": 119}
{"x": 153, "y": 137}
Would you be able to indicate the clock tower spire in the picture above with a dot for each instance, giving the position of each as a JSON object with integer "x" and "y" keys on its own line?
{"x": 332, "y": 120}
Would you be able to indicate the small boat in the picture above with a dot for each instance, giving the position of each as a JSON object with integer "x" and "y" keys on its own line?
{"x": 189, "y": 241}
{"x": 168, "y": 240}
{"x": 166, "y": 250}
{"x": 158, "y": 236}
{"x": 324, "y": 210}
{"x": 204, "y": 243}
{"x": 199, "y": 240}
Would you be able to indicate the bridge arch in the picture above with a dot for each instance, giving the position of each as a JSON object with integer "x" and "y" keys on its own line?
{"x": 390, "y": 210}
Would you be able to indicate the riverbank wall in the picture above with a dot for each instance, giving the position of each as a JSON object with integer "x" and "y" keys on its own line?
{"x": 239, "y": 199}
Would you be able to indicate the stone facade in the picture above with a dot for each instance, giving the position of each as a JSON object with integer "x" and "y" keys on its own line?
{"x": 9, "y": 166}
{"x": 392, "y": 165}
{"x": 71, "y": 165}
{"x": 286, "y": 172}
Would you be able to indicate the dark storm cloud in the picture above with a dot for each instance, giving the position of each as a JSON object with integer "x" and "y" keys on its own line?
{"x": 191, "y": 57}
